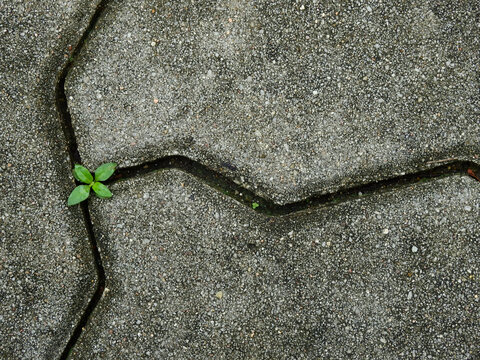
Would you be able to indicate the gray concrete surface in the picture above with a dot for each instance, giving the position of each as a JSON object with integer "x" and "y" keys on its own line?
{"x": 192, "y": 274}
{"x": 288, "y": 98}
{"x": 47, "y": 274}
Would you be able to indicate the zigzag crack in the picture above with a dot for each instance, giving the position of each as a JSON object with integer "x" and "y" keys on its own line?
{"x": 66, "y": 121}
{"x": 266, "y": 206}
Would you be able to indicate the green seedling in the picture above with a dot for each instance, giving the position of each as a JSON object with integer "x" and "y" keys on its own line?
{"x": 82, "y": 192}
{"x": 255, "y": 205}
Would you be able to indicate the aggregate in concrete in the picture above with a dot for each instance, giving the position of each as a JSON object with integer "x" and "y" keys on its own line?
{"x": 288, "y": 98}
{"x": 47, "y": 274}
{"x": 192, "y": 274}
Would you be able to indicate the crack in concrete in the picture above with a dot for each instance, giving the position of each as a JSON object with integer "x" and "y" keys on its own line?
{"x": 216, "y": 180}
{"x": 66, "y": 121}
{"x": 266, "y": 206}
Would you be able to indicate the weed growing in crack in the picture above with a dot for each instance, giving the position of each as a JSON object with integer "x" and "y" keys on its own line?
{"x": 82, "y": 192}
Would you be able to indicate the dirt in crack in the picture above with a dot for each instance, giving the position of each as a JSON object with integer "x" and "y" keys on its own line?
{"x": 247, "y": 197}
{"x": 98, "y": 291}
{"x": 66, "y": 121}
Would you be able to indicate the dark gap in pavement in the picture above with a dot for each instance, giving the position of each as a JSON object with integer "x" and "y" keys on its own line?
{"x": 247, "y": 197}
{"x": 61, "y": 98}
{"x": 98, "y": 291}
{"x": 66, "y": 121}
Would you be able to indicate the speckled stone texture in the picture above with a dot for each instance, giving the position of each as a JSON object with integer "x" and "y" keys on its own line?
{"x": 288, "y": 98}
{"x": 192, "y": 274}
{"x": 47, "y": 274}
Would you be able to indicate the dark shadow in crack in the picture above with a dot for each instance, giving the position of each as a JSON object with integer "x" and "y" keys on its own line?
{"x": 66, "y": 121}
{"x": 247, "y": 197}
{"x": 98, "y": 291}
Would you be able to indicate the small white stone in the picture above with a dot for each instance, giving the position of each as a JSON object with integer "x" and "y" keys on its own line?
{"x": 468, "y": 208}
{"x": 369, "y": 9}
{"x": 315, "y": 92}
{"x": 385, "y": 231}
{"x": 410, "y": 295}
{"x": 414, "y": 249}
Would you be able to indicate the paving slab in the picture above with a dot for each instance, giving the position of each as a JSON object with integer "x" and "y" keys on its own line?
{"x": 47, "y": 273}
{"x": 192, "y": 274}
{"x": 288, "y": 98}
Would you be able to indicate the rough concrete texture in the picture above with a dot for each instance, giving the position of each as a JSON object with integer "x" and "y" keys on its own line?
{"x": 192, "y": 274}
{"x": 47, "y": 274}
{"x": 289, "y": 98}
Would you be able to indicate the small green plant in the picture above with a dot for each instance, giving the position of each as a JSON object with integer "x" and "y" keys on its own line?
{"x": 82, "y": 192}
{"x": 255, "y": 205}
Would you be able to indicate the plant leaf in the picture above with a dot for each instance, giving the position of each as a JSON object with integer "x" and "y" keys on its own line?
{"x": 101, "y": 190}
{"x": 104, "y": 171}
{"x": 79, "y": 194}
{"x": 255, "y": 205}
{"x": 82, "y": 174}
